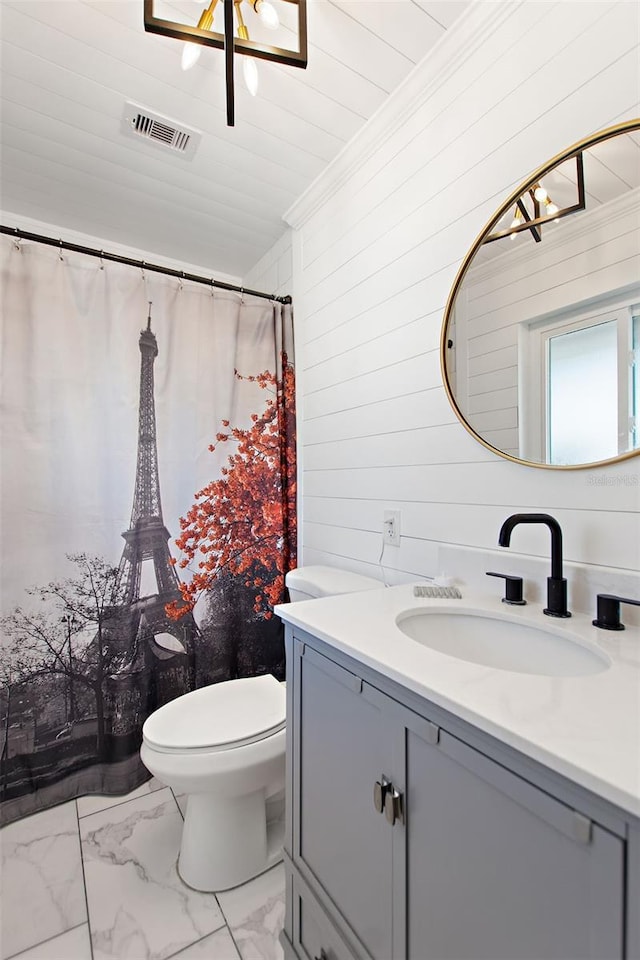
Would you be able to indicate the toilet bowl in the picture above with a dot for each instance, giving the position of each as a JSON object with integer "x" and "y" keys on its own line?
{"x": 224, "y": 746}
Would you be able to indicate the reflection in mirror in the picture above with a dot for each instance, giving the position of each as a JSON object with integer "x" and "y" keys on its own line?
{"x": 541, "y": 339}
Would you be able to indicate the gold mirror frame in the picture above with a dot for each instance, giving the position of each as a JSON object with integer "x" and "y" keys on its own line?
{"x": 629, "y": 126}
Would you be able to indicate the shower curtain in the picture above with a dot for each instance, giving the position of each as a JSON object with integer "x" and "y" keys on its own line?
{"x": 147, "y": 507}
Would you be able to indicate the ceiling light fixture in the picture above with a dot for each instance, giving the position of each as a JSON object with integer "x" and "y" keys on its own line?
{"x": 535, "y": 208}
{"x": 266, "y": 14}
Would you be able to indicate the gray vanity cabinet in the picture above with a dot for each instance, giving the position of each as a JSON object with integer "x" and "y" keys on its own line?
{"x": 467, "y": 861}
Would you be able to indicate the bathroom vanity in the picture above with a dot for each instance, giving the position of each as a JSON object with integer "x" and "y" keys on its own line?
{"x": 443, "y": 809}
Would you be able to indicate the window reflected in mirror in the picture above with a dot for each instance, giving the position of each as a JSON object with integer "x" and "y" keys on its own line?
{"x": 582, "y": 400}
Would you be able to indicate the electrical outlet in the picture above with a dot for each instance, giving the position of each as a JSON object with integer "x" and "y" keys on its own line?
{"x": 391, "y": 527}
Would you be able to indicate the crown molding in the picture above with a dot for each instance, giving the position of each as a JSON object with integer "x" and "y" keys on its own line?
{"x": 456, "y": 45}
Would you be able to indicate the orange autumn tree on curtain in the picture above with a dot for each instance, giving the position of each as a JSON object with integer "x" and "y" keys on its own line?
{"x": 244, "y": 523}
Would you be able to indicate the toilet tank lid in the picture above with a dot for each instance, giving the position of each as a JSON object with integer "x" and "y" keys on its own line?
{"x": 321, "y": 581}
{"x": 227, "y": 713}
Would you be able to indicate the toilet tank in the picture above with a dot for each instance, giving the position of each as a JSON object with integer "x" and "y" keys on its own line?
{"x": 305, "y": 583}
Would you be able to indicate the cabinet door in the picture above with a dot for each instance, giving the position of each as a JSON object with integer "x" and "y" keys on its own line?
{"x": 499, "y": 870}
{"x": 342, "y": 745}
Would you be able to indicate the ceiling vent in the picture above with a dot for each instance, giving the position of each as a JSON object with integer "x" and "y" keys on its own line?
{"x": 139, "y": 121}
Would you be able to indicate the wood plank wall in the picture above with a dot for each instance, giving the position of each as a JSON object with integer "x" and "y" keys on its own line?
{"x": 373, "y": 251}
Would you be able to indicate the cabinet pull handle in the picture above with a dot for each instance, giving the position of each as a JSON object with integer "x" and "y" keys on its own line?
{"x": 394, "y": 806}
{"x": 380, "y": 790}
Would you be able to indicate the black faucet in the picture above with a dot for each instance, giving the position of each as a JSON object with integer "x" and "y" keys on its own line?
{"x": 556, "y": 584}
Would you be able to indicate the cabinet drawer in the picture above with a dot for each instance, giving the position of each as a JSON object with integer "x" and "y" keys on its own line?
{"x": 314, "y": 936}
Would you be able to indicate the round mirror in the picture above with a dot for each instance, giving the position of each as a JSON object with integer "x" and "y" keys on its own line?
{"x": 540, "y": 344}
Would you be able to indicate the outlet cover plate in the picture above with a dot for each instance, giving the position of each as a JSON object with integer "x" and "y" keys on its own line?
{"x": 391, "y": 527}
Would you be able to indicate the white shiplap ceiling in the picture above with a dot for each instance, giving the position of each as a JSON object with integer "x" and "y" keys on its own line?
{"x": 69, "y": 66}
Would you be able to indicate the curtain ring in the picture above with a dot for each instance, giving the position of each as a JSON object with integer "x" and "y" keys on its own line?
{"x": 101, "y": 260}
{"x": 16, "y": 241}
{"x": 212, "y": 286}
{"x": 142, "y": 271}
{"x": 61, "y": 257}
{"x": 181, "y": 281}
{"x": 241, "y": 295}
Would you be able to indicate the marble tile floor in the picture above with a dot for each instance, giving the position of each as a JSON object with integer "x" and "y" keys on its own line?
{"x": 96, "y": 879}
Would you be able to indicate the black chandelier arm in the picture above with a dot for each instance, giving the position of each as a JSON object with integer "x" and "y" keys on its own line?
{"x": 19, "y": 234}
{"x": 228, "y": 60}
{"x": 535, "y": 233}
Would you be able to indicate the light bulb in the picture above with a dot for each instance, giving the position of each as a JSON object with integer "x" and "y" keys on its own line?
{"x": 250, "y": 71}
{"x": 552, "y": 209}
{"x": 190, "y": 55}
{"x": 517, "y": 220}
{"x": 267, "y": 13}
{"x": 540, "y": 193}
{"x": 192, "y": 51}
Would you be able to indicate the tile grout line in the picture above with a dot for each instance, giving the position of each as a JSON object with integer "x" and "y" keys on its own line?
{"x": 204, "y": 937}
{"x": 178, "y": 806}
{"x": 233, "y": 939}
{"x": 84, "y": 880}
{"x": 228, "y": 925}
{"x": 125, "y": 798}
{"x": 274, "y": 867}
{"x": 13, "y": 956}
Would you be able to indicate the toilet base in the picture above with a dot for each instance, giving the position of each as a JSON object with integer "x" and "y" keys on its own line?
{"x": 225, "y": 841}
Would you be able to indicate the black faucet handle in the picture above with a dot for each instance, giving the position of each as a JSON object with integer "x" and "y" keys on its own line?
{"x": 513, "y": 588}
{"x": 608, "y": 611}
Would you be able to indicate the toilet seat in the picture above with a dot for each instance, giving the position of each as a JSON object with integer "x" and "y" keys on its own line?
{"x": 219, "y": 717}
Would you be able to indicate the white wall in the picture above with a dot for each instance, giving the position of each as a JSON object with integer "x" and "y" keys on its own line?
{"x": 12, "y": 219}
{"x": 376, "y": 244}
{"x": 274, "y": 272}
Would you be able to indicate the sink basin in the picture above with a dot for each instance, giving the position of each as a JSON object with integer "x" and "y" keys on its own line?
{"x": 503, "y": 642}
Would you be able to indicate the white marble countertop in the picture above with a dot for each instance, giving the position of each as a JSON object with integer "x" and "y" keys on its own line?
{"x": 586, "y": 728}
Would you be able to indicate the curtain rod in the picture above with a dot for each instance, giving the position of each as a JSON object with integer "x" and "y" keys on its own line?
{"x": 142, "y": 264}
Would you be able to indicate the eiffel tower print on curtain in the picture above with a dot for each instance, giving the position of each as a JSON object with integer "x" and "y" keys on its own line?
{"x": 151, "y": 644}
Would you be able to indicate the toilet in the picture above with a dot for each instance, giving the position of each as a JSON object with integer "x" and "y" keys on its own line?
{"x": 224, "y": 746}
